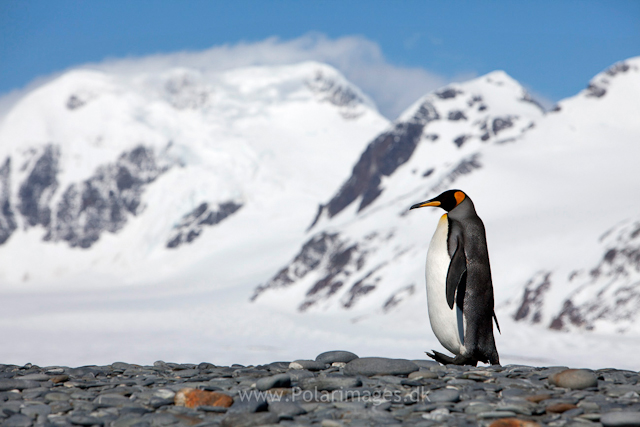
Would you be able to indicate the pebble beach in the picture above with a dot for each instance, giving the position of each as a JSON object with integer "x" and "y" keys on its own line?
{"x": 338, "y": 388}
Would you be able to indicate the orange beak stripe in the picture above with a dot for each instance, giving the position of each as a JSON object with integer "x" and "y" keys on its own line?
{"x": 435, "y": 203}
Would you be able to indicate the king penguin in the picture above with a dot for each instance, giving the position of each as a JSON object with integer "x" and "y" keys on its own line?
{"x": 459, "y": 287}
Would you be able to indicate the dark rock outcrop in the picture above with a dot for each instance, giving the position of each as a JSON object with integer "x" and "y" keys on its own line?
{"x": 7, "y": 218}
{"x": 530, "y": 308}
{"x": 193, "y": 223}
{"x": 104, "y": 201}
{"x": 381, "y": 158}
{"x": 36, "y": 191}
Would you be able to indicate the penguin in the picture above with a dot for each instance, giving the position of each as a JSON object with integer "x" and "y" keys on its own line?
{"x": 459, "y": 287}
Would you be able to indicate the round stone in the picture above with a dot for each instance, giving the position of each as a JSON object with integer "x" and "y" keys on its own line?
{"x": 620, "y": 419}
{"x": 336, "y": 356}
{"x": 279, "y": 380}
{"x": 576, "y": 379}
{"x": 417, "y": 375}
{"x": 513, "y": 422}
{"x": 444, "y": 395}
{"x": 310, "y": 365}
{"x": 17, "y": 420}
{"x": 369, "y": 366}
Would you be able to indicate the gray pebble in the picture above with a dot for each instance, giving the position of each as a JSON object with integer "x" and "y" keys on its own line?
{"x": 248, "y": 404}
{"x": 300, "y": 374}
{"x": 426, "y": 364}
{"x": 336, "y": 356}
{"x": 18, "y": 420}
{"x": 85, "y": 420}
{"x": 249, "y": 420}
{"x": 16, "y": 384}
{"x": 279, "y": 380}
{"x": 310, "y": 365}
{"x": 35, "y": 377}
{"x": 56, "y": 397}
{"x": 111, "y": 399}
{"x": 574, "y": 379}
{"x": 496, "y": 414}
{"x": 286, "y": 409}
{"x": 619, "y": 419}
{"x": 478, "y": 407}
{"x": 369, "y": 366}
{"x": 36, "y": 410}
{"x": 444, "y": 395}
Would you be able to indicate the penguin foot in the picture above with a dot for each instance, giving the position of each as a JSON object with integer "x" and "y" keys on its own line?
{"x": 448, "y": 360}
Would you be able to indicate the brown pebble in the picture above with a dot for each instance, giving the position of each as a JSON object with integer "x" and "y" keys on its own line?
{"x": 193, "y": 398}
{"x": 59, "y": 378}
{"x": 537, "y": 398}
{"x": 560, "y": 408}
{"x": 513, "y": 422}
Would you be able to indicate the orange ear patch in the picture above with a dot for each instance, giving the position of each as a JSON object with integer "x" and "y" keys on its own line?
{"x": 459, "y": 195}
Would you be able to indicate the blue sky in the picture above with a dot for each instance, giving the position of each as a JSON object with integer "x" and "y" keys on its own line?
{"x": 551, "y": 47}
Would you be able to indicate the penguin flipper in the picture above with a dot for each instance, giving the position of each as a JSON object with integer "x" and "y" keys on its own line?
{"x": 457, "y": 269}
{"x": 497, "y": 324}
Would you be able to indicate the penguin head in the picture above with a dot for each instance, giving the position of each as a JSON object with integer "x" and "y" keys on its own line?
{"x": 448, "y": 200}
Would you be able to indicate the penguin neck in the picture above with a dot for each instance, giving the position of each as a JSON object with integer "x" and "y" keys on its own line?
{"x": 465, "y": 209}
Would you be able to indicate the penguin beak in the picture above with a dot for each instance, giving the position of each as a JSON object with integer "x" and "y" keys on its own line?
{"x": 427, "y": 203}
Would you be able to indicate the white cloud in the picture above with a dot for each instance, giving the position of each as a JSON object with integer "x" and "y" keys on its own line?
{"x": 392, "y": 88}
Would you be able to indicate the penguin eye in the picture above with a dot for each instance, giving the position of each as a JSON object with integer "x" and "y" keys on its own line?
{"x": 459, "y": 195}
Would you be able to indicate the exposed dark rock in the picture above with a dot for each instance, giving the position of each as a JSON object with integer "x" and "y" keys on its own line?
{"x": 448, "y": 93}
{"x": 530, "y": 308}
{"x": 612, "y": 286}
{"x": 465, "y": 167}
{"x": 361, "y": 288}
{"x": 526, "y": 97}
{"x": 398, "y": 296}
{"x": 339, "y": 95}
{"x": 459, "y": 141}
{"x": 456, "y": 115}
{"x": 104, "y": 201}
{"x": 36, "y": 191}
{"x": 501, "y": 123}
{"x": 307, "y": 260}
{"x": 192, "y": 224}
{"x": 474, "y": 99}
{"x": 428, "y": 172}
{"x": 338, "y": 259}
{"x": 620, "y": 67}
{"x": 74, "y": 102}
{"x": 7, "y": 218}
{"x": 595, "y": 91}
{"x": 381, "y": 158}
{"x": 569, "y": 314}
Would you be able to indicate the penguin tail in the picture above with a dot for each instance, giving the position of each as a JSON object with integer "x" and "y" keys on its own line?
{"x": 497, "y": 324}
{"x": 440, "y": 358}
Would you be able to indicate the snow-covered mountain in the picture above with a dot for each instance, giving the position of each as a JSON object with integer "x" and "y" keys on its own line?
{"x": 547, "y": 185}
{"x": 118, "y": 176}
{"x": 262, "y": 213}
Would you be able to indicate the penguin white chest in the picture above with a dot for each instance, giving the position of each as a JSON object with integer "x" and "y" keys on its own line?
{"x": 447, "y": 323}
